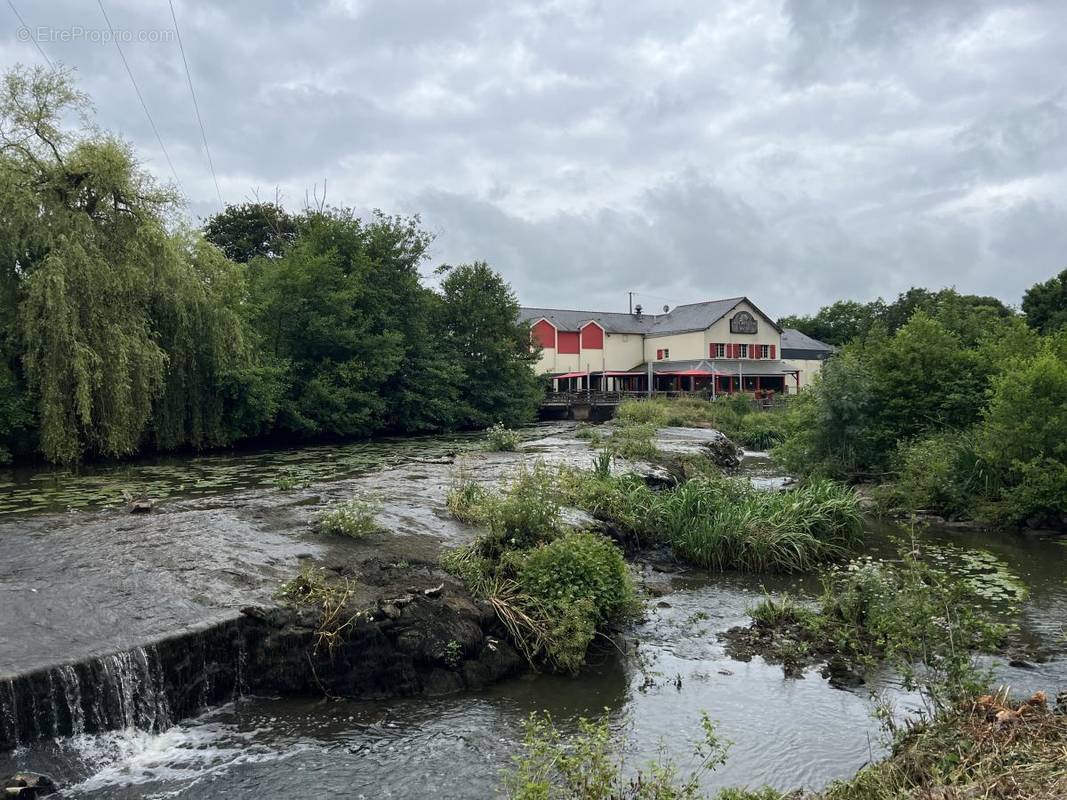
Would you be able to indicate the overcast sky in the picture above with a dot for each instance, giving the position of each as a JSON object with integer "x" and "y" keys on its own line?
{"x": 797, "y": 152}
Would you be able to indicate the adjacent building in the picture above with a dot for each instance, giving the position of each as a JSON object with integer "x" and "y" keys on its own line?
{"x": 719, "y": 346}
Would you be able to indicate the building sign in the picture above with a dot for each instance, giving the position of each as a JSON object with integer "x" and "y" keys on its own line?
{"x": 743, "y": 322}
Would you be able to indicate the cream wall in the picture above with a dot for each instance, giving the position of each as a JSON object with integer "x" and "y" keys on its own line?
{"x": 809, "y": 368}
{"x": 551, "y": 361}
{"x": 683, "y": 346}
{"x": 623, "y": 351}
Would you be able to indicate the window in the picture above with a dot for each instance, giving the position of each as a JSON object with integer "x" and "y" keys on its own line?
{"x": 743, "y": 351}
{"x": 718, "y": 350}
{"x": 666, "y": 353}
{"x": 764, "y": 351}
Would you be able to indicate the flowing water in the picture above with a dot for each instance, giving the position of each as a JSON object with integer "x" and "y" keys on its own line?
{"x": 786, "y": 732}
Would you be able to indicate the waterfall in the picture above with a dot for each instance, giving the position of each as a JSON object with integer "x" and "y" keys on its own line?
{"x": 148, "y": 688}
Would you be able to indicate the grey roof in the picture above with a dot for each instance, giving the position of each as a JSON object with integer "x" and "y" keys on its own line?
{"x": 569, "y": 320}
{"x": 792, "y": 339}
{"x": 689, "y": 317}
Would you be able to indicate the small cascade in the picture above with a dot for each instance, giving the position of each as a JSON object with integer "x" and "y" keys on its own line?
{"x": 146, "y": 688}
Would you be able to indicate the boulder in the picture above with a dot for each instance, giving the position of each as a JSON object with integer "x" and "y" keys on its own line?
{"x": 28, "y": 785}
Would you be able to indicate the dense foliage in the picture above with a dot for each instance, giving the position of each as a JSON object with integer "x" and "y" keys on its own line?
{"x": 848, "y": 320}
{"x": 960, "y": 411}
{"x": 121, "y": 331}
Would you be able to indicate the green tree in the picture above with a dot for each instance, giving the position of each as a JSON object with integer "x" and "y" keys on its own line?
{"x": 838, "y": 323}
{"x": 107, "y": 303}
{"x": 481, "y": 321}
{"x": 1045, "y": 304}
{"x": 252, "y": 230}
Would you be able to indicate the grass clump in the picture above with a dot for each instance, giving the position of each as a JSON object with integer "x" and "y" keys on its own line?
{"x": 729, "y": 524}
{"x": 499, "y": 438}
{"x": 553, "y": 590}
{"x": 314, "y": 588}
{"x": 724, "y": 523}
{"x": 633, "y": 442}
{"x": 355, "y": 518}
{"x": 733, "y": 415}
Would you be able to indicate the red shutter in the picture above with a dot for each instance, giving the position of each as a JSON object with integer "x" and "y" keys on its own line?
{"x": 756, "y": 350}
{"x": 711, "y": 350}
{"x": 774, "y": 349}
{"x": 659, "y": 354}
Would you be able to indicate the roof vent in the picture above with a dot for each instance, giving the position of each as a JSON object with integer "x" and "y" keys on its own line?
{"x": 637, "y": 311}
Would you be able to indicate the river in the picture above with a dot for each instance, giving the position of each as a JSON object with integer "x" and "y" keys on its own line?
{"x": 236, "y": 536}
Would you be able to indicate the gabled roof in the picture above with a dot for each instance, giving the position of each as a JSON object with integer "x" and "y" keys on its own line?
{"x": 570, "y": 320}
{"x": 680, "y": 319}
{"x": 792, "y": 339}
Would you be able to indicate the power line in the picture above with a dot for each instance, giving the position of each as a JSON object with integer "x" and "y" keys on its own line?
{"x": 144, "y": 105}
{"x": 196, "y": 106}
{"x": 31, "y": 37}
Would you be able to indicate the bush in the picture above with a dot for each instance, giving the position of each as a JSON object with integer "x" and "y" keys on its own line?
{"x": 501, "y": 439}
{"x": 944, "y": 473}
{"x": 1039, "y": 496}
{"x": 575, "y": 567}
{"x": 355, "y": 518}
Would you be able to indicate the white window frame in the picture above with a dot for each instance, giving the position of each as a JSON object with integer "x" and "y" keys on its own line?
{"x": 764, "y": 351}
{"x": 744, "y": 351}
{"x": 720, "y": 350}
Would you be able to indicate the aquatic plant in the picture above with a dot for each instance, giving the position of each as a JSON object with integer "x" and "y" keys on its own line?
{"x": 553, "y": 766}
{"x": 291, "y": 479}
{"x": 355, "y": 518}
{"x": 500, "y": 438}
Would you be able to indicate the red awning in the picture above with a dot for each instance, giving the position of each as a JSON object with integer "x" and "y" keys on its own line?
{"x": 571, "y": 375}
{"x": 622, "y": 374}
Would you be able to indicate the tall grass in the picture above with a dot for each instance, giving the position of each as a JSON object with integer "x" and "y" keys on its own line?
{"x": 728, "y": 524}
{"x": 724, "y": 523}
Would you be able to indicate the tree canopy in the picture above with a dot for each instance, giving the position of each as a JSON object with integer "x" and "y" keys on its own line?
{"x": 121, "y": 330}
{"x": 1045, "y": 304}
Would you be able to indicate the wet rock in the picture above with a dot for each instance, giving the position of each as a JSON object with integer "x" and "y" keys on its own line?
{"x": 28, "y": 785}
{"x": 663, "y": 604}
{"x": 1019, "y": 663}
{"x": 841, "y": 674}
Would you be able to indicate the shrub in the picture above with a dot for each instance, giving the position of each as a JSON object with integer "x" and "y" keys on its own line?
{"x": 943, "y": 473}
{"x": 1039, "y": 496}
{"x": 355, "y": 518}
{"x": 500, "y": 438}
{"x": 578, "y": 566}
{"x": 634, "y": 442}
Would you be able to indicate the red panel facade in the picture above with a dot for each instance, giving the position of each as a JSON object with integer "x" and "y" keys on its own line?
{"x": 567, "y": 343}
{"x": 544, "y": 334}
{"x": 774, "y": 348}
{"x": 592, "y": 337}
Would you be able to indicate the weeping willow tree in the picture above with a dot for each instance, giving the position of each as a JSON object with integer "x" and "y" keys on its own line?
{"x": 124, "y": 332}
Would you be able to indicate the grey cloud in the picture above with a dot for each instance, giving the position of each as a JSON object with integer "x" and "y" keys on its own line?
{"x": 796, "y": 151}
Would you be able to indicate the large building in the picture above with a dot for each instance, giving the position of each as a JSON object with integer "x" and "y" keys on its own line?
{"x": 721, "y": 346}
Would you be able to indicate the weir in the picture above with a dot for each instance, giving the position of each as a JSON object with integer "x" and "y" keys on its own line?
{"x": 149, "y": 687}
